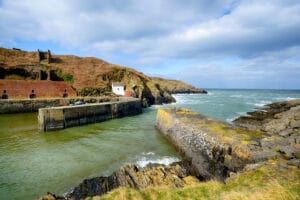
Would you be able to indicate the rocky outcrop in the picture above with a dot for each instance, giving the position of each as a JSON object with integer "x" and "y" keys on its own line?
{"x": 153, "y": 175}
{"x": 177, "y": 87}
{"x": 279, "y": 122}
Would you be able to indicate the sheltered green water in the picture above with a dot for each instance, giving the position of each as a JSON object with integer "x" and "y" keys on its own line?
{"x": 33, "y": 163}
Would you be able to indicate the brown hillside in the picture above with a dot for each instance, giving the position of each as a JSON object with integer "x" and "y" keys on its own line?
{"x": 89, "y": 76}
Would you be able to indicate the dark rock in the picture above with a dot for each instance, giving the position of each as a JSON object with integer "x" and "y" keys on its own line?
{"x": 133, "y": 177}
{"x": 264, "y": 155}
{"x": 294, "y": 162}
{"x": 296, "y": 151}
{"x": 50, "y": 196}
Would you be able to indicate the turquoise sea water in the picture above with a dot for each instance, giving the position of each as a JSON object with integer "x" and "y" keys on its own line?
{"x": 32, "y": 163}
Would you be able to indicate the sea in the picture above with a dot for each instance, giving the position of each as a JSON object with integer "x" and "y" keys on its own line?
{"x": 32, "y": 164}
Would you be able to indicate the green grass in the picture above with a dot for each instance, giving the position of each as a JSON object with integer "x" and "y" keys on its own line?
{"x": 266, "y": 182}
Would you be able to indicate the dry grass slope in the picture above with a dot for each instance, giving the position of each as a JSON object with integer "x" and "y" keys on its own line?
{"x": 269, "y": 181}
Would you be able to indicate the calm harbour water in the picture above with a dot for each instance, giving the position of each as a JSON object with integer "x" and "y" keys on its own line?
{"x": 32, "y": 163}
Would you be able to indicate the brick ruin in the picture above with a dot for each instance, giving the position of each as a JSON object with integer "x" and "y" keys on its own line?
{"x": 44, "y": 56}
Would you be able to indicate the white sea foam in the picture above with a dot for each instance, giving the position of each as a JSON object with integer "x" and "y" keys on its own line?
{"x": 262, "y": 103}
{"x": 163, "y": 160}
{"x": 236, "y": 96}
{"x": 148, "y": 153}
{"x": 230, "y": 120}
{"x": 284, "y": 98}
{"x": 150, "y": 157}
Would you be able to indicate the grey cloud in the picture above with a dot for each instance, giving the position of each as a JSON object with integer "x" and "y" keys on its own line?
{"x": 276, "y": 70}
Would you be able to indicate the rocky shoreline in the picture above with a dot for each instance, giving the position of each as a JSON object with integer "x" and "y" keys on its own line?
{"x": 279, "y": 122}
{"x": 266, "y": 143}
{"x": 152, "y": 175}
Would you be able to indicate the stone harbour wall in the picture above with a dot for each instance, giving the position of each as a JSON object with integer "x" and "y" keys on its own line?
{"x": 8, "y": 106}
{"x": 214, "y": 148}
{"x": 55, "y": 118}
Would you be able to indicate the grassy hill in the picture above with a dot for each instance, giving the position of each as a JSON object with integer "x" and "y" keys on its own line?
{"x": 89, "y": 76}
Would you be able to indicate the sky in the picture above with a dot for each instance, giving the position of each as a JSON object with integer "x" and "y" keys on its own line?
{"x": 207, "y": 43}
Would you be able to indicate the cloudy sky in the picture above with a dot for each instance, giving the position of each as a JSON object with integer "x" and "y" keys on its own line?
{"x": 210, "y": 44}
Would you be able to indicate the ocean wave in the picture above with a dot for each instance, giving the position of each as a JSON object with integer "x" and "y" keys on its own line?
{"x": 164, "y": 160}
{"x": 236, "y": 96}
{"x": 151, "y": 157}
{"x": 148, "y": 153}
{"x": 231, "y": 119}
{"x": 284, "y": 98}
{"x": 262, "y": 103}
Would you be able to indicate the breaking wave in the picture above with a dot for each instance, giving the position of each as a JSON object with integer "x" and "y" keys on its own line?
{"x": 151, "y": 157}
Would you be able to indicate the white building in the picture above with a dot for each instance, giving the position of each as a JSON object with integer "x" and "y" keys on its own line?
{"x": 118, "y": 88}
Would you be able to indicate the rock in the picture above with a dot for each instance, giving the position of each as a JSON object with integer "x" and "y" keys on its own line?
{"x": 286, "y": 151}
{"x": 50, "y": 196}
{"x": 274, "y": 127}
{"x": 294, "y": 162}
{"x": 131, "y": 176}
{"x": 273, "y": 141}
{"x": 295, "y": 124}
{"x": 264, "y": 155}
{"x": 286, "y": 132}
{"x": 296, "y": 151}
{"x": 297, "y": 116}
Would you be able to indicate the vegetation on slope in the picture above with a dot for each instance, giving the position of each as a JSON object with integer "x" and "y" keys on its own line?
{"x": 271, "y": 180}
{"x": 89, "y": 76}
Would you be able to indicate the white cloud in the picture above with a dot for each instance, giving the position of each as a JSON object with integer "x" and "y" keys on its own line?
{"x": 157, "y": 31}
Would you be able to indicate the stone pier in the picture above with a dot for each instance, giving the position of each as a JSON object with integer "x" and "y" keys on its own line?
{"x": 56, "y": 118}
{"x": 215, "y": 148}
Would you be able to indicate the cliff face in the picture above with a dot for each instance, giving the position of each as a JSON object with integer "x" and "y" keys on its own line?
{"x": 89, "y": 76}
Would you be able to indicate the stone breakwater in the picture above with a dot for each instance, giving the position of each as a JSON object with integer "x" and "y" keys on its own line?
{"x": 61, "y": 117}
{"x": 214, "y": 148}
{"x": 8, "y": 106}
{"x": 217, "y": 149}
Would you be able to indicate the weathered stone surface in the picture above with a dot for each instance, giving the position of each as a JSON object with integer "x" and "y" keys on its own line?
{"x": 295, "y": 124}
{"x": 273, "y": 117}
{"x": 295, "y": 162}
{"x": 133, "y": 177}
{"x": 279, "y": 123}
{"x": 50, "y": 196}
{"x": 56, "y": 118}
{"x": 286, "y": 132}
{"x": 215, "y": 148}
{"x": 33, "y": 105}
